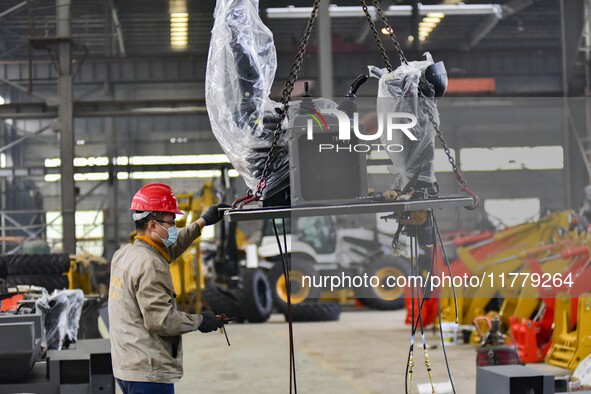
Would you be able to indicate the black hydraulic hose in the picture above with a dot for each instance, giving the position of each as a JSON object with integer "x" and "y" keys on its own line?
{"x": 292, "y": 373}
{"x": 289, "y": 307}
{"x": 409, "y": 360}
{"x": 448, "y": 265}
{"x": 439, "y": 304}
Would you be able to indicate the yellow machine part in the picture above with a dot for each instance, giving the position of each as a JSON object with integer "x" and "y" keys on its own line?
{"x": 569, "y": 348}
{"x": 80, "y": 272}
{"x": 78, "y": 277}
{"x": 518, "y": 244}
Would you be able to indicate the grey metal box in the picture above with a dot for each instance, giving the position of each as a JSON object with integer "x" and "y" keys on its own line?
{"x": 18, "y": 349}
{"x": 328, "y": 175}
{"x": 35, "y": 318}
{"x": 513, "y": 379}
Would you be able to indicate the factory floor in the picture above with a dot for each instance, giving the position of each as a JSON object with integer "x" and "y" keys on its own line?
{"x": 364, "y": 352}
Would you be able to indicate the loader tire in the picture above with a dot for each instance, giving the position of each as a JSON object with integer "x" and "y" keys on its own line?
{"x": 299, "y": 293}
{"x": 36, "y": 264}
{"x": 315, "y": 311}
{"x": 383, "y": 297}
{"x": 49, "y": 282}
{"x": 255, "y": 301}
{"x": 221, "y": 300}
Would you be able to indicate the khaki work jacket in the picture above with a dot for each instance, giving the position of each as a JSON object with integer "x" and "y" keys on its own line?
{"x": 144, "y": 324}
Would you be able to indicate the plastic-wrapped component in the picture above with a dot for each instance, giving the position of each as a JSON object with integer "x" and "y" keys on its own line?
{"x": 398, "y": 92}
{"x": 240, "y": 72}
{"x": 61, "y": 317}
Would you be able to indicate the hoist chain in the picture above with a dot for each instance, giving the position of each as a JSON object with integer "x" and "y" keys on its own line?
{"x": 293, "y": 76}
{"x": 376, "y": 36}
{"x": 376, "y": 4}
{"x": 462, "y": 183}
{"x": 286, "y": 97}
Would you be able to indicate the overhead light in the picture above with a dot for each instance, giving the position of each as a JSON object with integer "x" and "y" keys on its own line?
{"x": 386, "y": 31}
{"x": 428, "y": 24}
{"x": 434, "y": 11}
{"x": 179, "y": 24}
{"x": 179, "y": 17}
{"x": 80, "y": 142}
{"x": 142, "y": 160}
{"x": 411, "y": 38}
{"x": 2, "y": 101}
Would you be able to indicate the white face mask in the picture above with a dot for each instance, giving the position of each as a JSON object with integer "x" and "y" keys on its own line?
{"x": 173, "y": 233}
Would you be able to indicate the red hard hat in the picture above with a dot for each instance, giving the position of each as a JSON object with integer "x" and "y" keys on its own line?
{"x": 156, "y": 197}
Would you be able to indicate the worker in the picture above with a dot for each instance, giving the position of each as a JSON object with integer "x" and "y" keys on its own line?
{"x": 145, "y": 324}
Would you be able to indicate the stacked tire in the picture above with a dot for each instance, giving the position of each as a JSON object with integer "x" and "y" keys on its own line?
{"x": 44, "y": 270}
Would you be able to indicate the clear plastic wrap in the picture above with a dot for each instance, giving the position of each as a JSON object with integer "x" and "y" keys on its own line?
{"x": 240, "y": 72}
{"x": 398, "y": 92}
{"x": 61, "y": 316}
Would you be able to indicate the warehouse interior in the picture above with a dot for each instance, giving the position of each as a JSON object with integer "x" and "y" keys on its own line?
{"x": 99, "y": 99}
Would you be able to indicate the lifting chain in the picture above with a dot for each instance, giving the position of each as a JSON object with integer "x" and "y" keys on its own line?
{"x": 285, "y": 98}
{"x": 462, "y": 183}
{"x": 376, "y": 36}
{"x": 293, "y": 76}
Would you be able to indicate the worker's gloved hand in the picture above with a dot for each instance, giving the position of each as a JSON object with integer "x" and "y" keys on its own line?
{"x": 209, "y": 322}
{"x": 213, "y": 215}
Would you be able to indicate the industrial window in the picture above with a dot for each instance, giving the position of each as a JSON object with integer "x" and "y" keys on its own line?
{"x": 512, "y": 158}
{"x": 505, "y": 212}
{"x": 441, "y": 162}
{"x": 143, "y": 160}
{"x": 89, "y": 231}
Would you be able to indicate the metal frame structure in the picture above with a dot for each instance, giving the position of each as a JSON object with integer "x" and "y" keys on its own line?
{"x": 351, "y": 208}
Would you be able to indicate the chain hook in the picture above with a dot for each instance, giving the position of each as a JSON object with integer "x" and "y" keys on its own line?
{"x": 241, "y": 199}
{"x": 474, "y": 196}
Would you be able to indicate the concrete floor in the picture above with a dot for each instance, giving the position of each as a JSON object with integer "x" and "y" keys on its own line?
{"x": 364, "y": 352}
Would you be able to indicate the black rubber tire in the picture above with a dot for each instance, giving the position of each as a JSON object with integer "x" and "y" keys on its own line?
{"x": 371, "y": 297}
{"x": 50, "y": 282}
{"x": 299, "y": 267}
{"x": 315, "y": 311}
{"x": 37, "y": 264}
{"x": 256, "y": 302}
{"x": 221, "y": 300}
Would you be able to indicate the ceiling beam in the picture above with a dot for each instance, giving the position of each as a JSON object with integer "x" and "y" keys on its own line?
{"x": 86, "y": 109}
{"x": 393, "y": 10}
{"x": 493, "y": 19}
{"x": 13, "y": 9}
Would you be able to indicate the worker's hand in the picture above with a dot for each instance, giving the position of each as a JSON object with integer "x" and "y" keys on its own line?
{"x": 209, "y": 322}
{"x": 213, "y": 215}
